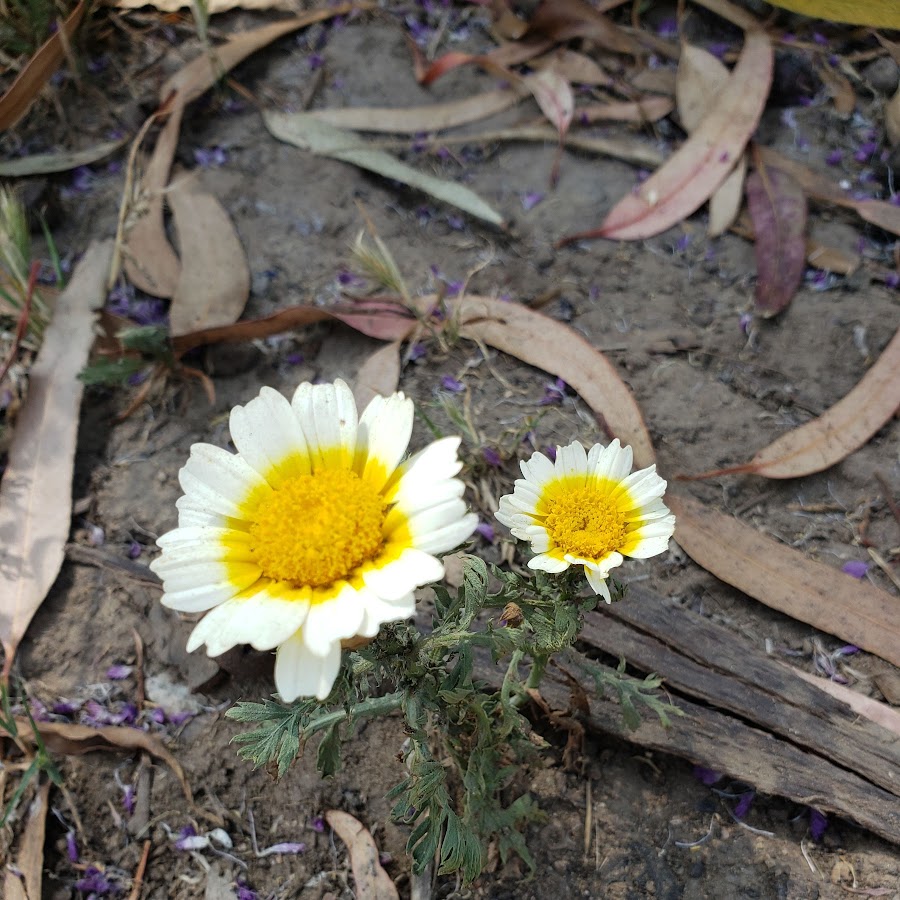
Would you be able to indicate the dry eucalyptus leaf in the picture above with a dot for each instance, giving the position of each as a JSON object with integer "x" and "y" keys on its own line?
{"x": 372, "y": 882}
{"x": 36, "y": 491}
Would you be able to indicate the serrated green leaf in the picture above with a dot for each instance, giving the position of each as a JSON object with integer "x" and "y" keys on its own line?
{"x": 111, "y": 371}
{"x": 328, "y": 757}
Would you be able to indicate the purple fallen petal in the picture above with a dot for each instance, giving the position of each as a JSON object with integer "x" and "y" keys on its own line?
{"x": 71, "y": 846}
{"x": 818, "y": 822}
{"x": 451, "y": 384}
{"x": 706, "y": 776}
{"x": 855, "y": 568}
{"x": 742, "y": 807}
{"x": 486, "y": 530}
{"x": 492, "y": 457}
{"x": 118, "y": 672}
{"x": 531, "y": 199}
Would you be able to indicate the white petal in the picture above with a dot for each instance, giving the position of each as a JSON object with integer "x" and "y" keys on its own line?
{"x": 332, "y": 620}
{"x": 538, "y": 470}
{"x": 644, "y": 486}
{"x": 180, "y": 572}
{"x": 615, "y": 462}
{"x": 191, "y": 512}
{"x": 572, "y": 460}
{"x": 200, "y": 598}
{"x": 538, "y": 537}
{"x": 653, "y": 538}
{"x": 301, "y": 673}
{"x": 655, "y": 509}
{"x": 543, "y": 562}
{"x": 261, "y": 620}
{"x": 436, "y": 462}
{"x": 598, "y": 584}
{"x": 383, "y": 436}
{"x": 268, "y": 436}
{"x": 424, "y": 522}
{"x": 196, "y": 535}
{"x": 219, "y": 480}
{"x": 327, "y": 415}
{"x": 410, "y": 570}
{"x": 430, "y": 495}
{"x": 379, "y": 612}
{"x": 447, "y": 537}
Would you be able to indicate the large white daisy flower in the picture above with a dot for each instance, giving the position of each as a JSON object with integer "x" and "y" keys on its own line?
{"x": 315, "y": 532}
{"x": 586, "y": 509}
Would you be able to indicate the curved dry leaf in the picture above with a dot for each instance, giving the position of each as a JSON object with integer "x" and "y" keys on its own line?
{"x": 150, "y": 262}
{"x": 310, "y": 134}
{"x": 378, "y": 375}
{"x": 784, "y": 579}
{"x": 511, "y": 54}
{"x": 73, "y": 740}
{"x": 563, "y": 20}
{"x": 839, "y": 89}
{"x": 840, "y": 430}
{"x": 704, "y": 161}
{"x": 387, "y": 321}
{"x": 415, "y": 119}
{"x": 650, "y": 109}
{"x": 892, "y": 119}
{"x": 554, "y": 96}
{"x": 559, "y": 350}
{"x": 214, "y": 281}
{"x": 212, "y": 6}
{"x": 700, "y": 78}
{"x": 36, "y": 491}
{"x": 24, "y": 882}
{"x": 576, "y": 68}
{"x": 37, "y": 71}
{"x": 372, "y": 881}
{"x": 777, "y": 207}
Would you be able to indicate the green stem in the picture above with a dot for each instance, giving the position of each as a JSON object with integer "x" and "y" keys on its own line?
{"x": 375, "y": 706}
{"x": 538, "y": 667}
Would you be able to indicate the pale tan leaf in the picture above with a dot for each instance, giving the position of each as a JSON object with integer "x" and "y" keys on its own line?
{"x": 36, "y": 491}
{"x": 892, "y": 119}
{"x": 576, "y": 68}
{"x": 372, "y": 882}
{"x": 63, "y": 161}
{"x": 214, "y": 6}
{"x": 554, "y": 96}
{"x": 379, "y": 374}
{"x": 704, "y": 161}
{"x": 30, "y": 854}
{"x": 415, "y": 119}
{"x": 71, "y": 739}
{"x": 832, "y": 259}
{"x": 214, "y": 282}
{"x": 839, "y": 89}
{"x": 786, "y": 580}
{"x": 151, "y": 263}
{"x": 700, "y": 78}
{"x": 650, "y": 109}
{"x": 840, "y": 430}
{"x": 559, "y": 350}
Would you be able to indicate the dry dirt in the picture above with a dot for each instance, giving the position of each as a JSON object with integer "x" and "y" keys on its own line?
{"x": 706, "y": 407}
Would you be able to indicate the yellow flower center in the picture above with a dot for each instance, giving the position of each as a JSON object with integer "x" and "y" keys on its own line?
{"x": 316, "y": 529}
{"x": 586, "y": 521}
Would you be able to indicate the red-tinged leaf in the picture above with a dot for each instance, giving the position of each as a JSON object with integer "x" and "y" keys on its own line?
{"x": 840, "y": 430}
{"x": 387, "y": 321}
{"x": 37, "y": 71}
{"x": 36, "y": 492}
{"x": 563, "y": 20}
{"x": 496, "y": 61}
{"x": 786, "y": 580}
{"x": 704, "y": 161}
{"x": 777, "y": 207}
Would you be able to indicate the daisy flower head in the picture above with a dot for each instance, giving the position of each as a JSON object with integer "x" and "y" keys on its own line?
{"x": 315, "y": 532}
{"x": 588, "y": 509}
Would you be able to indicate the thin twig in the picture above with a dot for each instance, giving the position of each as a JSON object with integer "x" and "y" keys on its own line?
{"x": 138, "y": 880}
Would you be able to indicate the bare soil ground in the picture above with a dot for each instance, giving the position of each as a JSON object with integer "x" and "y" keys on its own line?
{"x": 731, "y": 390}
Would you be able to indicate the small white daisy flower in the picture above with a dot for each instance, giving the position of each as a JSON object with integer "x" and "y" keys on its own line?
{"x": 585, "y": 509}
{"x": 313, "y": 533}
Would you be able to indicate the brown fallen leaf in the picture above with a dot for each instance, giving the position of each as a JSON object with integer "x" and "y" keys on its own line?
{"x": 777, "y": 207}
{"x": 556, "y": 348}
{"x": 75, "y": 740}
{"x": 819, "y": 187}
{"x": 563, "y": 20}
{"x": 840, "y": 430}
{"x": 37, "y": 71}
{"x": 510, "y": 54}
{"x": 30, "y": 856}
{"x": 150, "y": 261}
{"x": 704, "y": 161}
{"x": 214, "y": 281}
{"x": 831, "y": 259}
{"x": 839, "y": 89}
{"x": 699, "y": 80}
{"x": 212, "y": 6}
{"x": 372, "y": 882}
{"x": 36, "y": 491}
{"x": 892, "y": 119}
{"x": 379, "y": 374}
{"x": 387, "y": 321}
{"x": 575, "y": 67}
{"x": 784, "y": 579}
